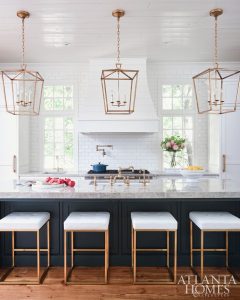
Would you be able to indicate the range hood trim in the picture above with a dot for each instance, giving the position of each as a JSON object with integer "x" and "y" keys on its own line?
{"x": 121, "y": 126}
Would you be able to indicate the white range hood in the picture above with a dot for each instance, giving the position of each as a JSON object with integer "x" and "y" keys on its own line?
{"x": 92, "y": 117}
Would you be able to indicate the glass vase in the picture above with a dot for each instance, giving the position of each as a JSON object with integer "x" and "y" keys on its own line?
{"x": 173, "y": 161}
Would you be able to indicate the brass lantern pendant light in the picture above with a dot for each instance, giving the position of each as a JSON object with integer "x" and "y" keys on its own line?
{"x": 217, "y": 89}
{"x": 22, "y": 88}
{"x": 119, "y": 85}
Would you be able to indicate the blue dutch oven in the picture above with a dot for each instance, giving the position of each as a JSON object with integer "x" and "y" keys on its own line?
{"x": 99, "y": 168}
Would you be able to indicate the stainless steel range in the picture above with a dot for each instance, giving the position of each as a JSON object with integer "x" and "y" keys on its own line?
{"x": 132, "y": 174}
{"x": 124, "y": 175}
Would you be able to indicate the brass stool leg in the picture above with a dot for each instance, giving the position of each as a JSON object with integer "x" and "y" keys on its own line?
{"x": 191, "y": 245}
{"x": 202, "y": 247}
{"x": 106, "y": 256}
{"x": 65, "y": 257}
{"x": 108, "y": 248}
{"x": 132, "y": 245}
{"x": 72, "y": 247}
{"x": 13, "y": 249}
{"x": 48, "y": 243}
{"x": 134, "y": 255}
{"x": 38, "y": 256}
{"x": 168, "y": 249}
{"x": 175, "y": 257}
{"x": 226, "y": 248}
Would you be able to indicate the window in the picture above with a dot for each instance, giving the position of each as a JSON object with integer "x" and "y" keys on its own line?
{"x": 177, "y": 110}
{"x": 58, "y": 127}
{"x": 58, "y": 98}
{"x": 177, "y": 97}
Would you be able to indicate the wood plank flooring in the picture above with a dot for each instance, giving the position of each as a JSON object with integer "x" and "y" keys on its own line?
{"x": 119, "y": 287}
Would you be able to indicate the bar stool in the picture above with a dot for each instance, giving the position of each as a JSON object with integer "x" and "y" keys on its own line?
{"x": 86, "y": 222}
{"x": 27, "y": 222}
{"x": 212, "y": 222}
{"x": 154, "y": 222}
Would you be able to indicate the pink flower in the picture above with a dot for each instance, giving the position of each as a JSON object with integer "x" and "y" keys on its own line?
{"x": 172, "y": 142}
{"x": 175, "y": 147}
{"x": 168, "y": 145}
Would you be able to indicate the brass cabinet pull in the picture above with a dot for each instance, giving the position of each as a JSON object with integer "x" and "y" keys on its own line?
{"x": 224, "y": 163}
{"x": 14, "y": 164}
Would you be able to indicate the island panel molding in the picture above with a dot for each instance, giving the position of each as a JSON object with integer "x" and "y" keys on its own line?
{"x": 120, "y": 228}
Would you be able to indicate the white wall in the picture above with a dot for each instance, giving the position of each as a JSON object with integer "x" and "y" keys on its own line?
{"x": 143, "y": 150}
{"x": 139, "y": 150}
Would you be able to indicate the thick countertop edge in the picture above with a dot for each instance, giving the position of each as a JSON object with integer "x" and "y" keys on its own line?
{"x": 133, "y": 195}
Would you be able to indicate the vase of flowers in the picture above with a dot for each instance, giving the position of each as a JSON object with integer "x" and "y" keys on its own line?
{"x": 173, "y": 144}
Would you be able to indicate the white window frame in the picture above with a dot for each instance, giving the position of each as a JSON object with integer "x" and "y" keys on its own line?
{"x": 175, "y": 113}
{"x": 73, "y": 114}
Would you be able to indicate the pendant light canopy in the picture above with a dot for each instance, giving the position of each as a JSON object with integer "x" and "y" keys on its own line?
{"x": 22, "y": 88}
{"x": 217, "y": 89}
{"x": 119, "y": 85}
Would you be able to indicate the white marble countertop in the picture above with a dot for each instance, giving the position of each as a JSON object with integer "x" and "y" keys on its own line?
{"x": 158, "y": 188}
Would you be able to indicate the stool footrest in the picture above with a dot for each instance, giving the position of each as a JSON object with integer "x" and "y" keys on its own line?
{"x": 88, "y": 250}
{"x": 152, "y": 250}
{"x": 214, "y": 250}
{"x": 29, "y": 250}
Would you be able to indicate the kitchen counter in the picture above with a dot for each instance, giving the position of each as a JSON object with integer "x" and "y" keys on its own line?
{"x": 176, "y": 195}
{"x": 158, "y": 188}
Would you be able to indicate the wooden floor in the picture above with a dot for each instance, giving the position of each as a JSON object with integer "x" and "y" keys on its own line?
{"x": 119, "y": 287}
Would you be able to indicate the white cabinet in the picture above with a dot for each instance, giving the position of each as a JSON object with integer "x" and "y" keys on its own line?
{"x": 8, "y": 144}
{"x": 230, "y": 145}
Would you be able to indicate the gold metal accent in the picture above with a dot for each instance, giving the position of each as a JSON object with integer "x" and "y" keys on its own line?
{"x": 23, "y": 14}
{"x": 38, "y": 250}
{"x": 118, "y": 13}
{"x": 210, "y": 86}
{"x": 202, "y": 250}
{"x": 67, "y": 273}
{"x": 145, "y": 178}
{"x": 216, "y": 12}
{"x": 119, "y": 85}
{"x": 22, "y": 88}
{"x": 102, "y": 148}
{"x": 224, "y": 163}
{"x": 95, "y": 180}
{"x": 173, "y": 275}
{"x": 130, "y": 168}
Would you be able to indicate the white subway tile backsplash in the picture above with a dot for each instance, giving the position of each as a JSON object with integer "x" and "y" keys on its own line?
{"x": 141, "y": 150}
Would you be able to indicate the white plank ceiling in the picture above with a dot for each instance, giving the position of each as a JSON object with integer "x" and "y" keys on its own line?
{"x": 162, "y": 30}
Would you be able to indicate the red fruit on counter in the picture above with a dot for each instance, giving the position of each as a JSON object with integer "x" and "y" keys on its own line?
{"x": 67, "y": 180}
{"x": 48, "y": 179}
{"x": 60, "y": 181}
{"x": 71, "y": 183}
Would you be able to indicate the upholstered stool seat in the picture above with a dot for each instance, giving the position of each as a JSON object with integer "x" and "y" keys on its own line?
{"x": 26, "y": 222}
{"x": 86, "y": 222}
{"x": 157, "y": 222}
{"x": 153, "y": 220}
{"x": 21, "y": 221}
{"x": 217, "y": 221}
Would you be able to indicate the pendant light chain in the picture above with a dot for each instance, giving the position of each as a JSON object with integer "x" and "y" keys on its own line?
{"x": 119, "y": 85}
{"x": 216, "y": 44}
{"x": 118, "y": 41}
{"x": 23, "y": 44}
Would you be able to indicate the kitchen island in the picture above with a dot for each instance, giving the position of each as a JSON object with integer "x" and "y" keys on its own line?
{"x": 176, "y": 195}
